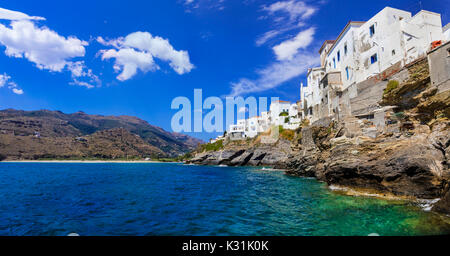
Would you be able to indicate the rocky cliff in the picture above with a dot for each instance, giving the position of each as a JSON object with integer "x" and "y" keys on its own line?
{"x": 408, "y": 157}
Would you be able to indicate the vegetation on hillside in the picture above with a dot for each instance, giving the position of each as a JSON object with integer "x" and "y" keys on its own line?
{"x": 286, "y": 134}
{"x": 218, "y": 145}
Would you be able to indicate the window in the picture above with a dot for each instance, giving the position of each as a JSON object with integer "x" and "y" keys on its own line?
{"x": 345, "y": 50}
{"x": 448, "y": 51}
{"x": 347, "y": 72}
{"x": 393, "y": 52}
{"x": 373, "y": 58}
{"x": 339, "y": 56}
{"x": 334, "y": 62}
{"x": 372, "y": 30}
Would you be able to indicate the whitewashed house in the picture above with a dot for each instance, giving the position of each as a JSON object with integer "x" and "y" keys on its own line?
{"x": 264, "y": 121}
{"x": 294, "y": 118}
{"x": 237, "y": 131}
{"x": 252, "y": 127}
{"x": 366, "y": 49}
{"x": 279, "y": 111}
{"x": 312, "y": 96}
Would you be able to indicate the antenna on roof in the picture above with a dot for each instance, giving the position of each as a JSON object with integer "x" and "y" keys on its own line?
{"x": 420, "y": 3}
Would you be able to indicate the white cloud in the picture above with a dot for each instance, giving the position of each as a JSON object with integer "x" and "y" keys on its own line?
{"x": 287, "y": 49}
{"x": 160, "y": 48}
{"x": 138, "y": 50}
{"x": 17, "y": 91}
{"x": 293, "y": 58}
{"x": 13, "y": 15}
{"x": 128, "y": 61}
{"x": 6, "y": 80}
{"x": 113, "y": 42}
{"x": 191, "y": 5}
{"x": 267, "y": 36}
{"x": 275, "y": 74}
{"x": 295, "y": 9}
{"x": 44, "y": 47}
{"x": 41, "y": 46}
{"x": 286, "y": 16}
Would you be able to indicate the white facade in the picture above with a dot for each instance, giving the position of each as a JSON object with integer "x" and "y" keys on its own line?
{"x": 342, "y": 56}
{"x": 252, "y": 127}
{"x": 312, "y": 95}
{"x": 365, "y": 49}
{"x": 276, "y": 109}
{"x": 264, "y": 121}
{"x": 237, "y": 131}
{"x": 446, "y": 32}
{"x": 281, "y": 113}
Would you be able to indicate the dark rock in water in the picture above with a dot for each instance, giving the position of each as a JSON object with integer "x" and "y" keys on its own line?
{"x": 304, "y": 166}
{"x": 412, "y": 167}
{"x": 443, "y": 206}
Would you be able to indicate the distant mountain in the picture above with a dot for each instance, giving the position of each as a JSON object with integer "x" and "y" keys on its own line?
{"x": 53, "y": 134}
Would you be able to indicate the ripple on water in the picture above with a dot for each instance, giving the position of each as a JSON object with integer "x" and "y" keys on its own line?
{"x": 168, "y": 199}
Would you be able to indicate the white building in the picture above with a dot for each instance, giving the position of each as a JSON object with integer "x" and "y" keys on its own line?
{"x": 237, "y": 131}
{"x": 264, "y": 121}
{"x": 446, "y": 32}
{"x": 294, "y": 118}
{"x": 312, "y": 94}
{"x": 366, "y": 49}
{"x": 279, "y": 111}
{"x": 252, "y": 127}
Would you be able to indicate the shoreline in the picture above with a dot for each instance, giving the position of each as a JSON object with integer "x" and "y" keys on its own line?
{"x": 88, "y": 161}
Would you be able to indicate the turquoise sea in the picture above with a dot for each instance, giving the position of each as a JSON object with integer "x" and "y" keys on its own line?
{"x": 115, "y": 199}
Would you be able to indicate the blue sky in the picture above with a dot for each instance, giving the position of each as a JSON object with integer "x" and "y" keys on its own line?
{"x": 134, "y": 57}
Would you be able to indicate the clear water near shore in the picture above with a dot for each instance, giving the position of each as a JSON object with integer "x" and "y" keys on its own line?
{"x": 173, "y": 199}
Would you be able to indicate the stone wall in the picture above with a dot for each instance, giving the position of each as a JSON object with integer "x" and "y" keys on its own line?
{"x": 439, "y": 60}
{"x": 370, "y": 92}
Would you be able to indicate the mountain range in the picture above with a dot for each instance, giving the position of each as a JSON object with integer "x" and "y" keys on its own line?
{"x": 46, "y": 134}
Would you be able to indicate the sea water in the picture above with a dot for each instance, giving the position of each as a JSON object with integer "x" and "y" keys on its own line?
{"x": 115, "y": 199}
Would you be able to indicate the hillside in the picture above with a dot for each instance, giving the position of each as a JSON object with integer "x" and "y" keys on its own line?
{"x": 53, "y": 134}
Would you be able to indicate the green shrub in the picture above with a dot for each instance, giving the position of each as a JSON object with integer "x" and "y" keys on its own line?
{"x": 284, "y": 114}
{"x": 287, "y": 134}
{"x": 391, "y": 86}
{"x": 218, "y": 145}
